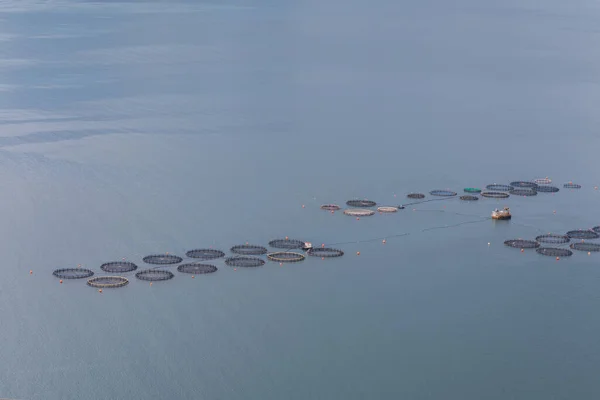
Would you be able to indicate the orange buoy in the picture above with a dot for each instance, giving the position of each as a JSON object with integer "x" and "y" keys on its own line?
{"x": 522, "y": 250}
{"x": 286, "y": 238}
{"x": 99, "y": 290}
{"x": 150, "y": 283}
{"x": 589, "y": 254}
{"x": 358, "y": 253}
{"x": 557, "y": 258}
{"x": 322, "y": 258}
{"x": 60, "y": 281}
{"x": 280, "y": 264}
{"x": 383, "y": 241}
{"x": 193, "y": 276}
{"x": 333, "y": 212}
{"x": 235, "y": 269}
{"x": 167, "y": 252}
{"x": 358, "y": 219}
{"x": 30, "y": 272}
{"x": 323, "y": 245}
{"x": 302, "y": 205}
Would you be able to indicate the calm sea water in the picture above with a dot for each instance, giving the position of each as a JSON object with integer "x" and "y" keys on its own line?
{"x": 133, "y": 128}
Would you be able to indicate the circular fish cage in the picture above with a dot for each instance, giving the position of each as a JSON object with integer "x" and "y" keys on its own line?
{"x": 523, "y": 184}
{"x": 522, "y": 244}
{"x": 596, "y": 229}
{"x": 73, "y": 273}
{"x": 589, "y": 247}
{"x": 103, "y": 282}
{"x": 553, "y": 238}
{"x": 495, "y": 195}
{"x": 571, "y": 185}
{"x": 583, "y": 234}
{"x": 472, "y": 190}
{"x": 469, "y": 198}
{"x": 118, "y": 267}
{"x": 387, "y": 209}
{"x": 499, "y": 188}
{"x": 443, "y": 193}
{"x": 324, "y": 252}
{"x": 554, "y": 252}
{"x": 286, "y": 256}
{"x": 361, "y": 203}
{"x": 205, "y": 254}
{"x": 196, "y": 268}
{"x": 245, "y": 262}
{"x": 286, "y": 244}
{"x": 330, "y": 207}
{"x": 162, "y": 259}
{"x": 542, "y": 181}
{"x": 154, "y": 275}
{"x": 357, "y": 212}
{"x": 523, "y": 192}
{"x": 249, "y": 250}
{"x": 415, "y": 196}
{"x": 547, "y": 189}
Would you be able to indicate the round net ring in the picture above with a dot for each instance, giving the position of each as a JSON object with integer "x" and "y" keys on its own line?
{"x": 286, "y": 256}
{"x": 245, "y": 262}
{"x": 583, "y": 234}
{"x": 386, "y": 209}
{"x": 286, "y": 244}
{"x": 472, "y": 190}
{"x": 357, "y": 212}
{"x": 523, "y": 192}
{"x": 103, "y": 282}
{"x": 542, "y": 181}
{"x": 596, "y": 229}
{"x": 196, "y": 268}
{"x": 73, "y": 273}
{"x": 523, "y": 184}
{"x": 326, "y": 252}
{"x": 522, "y": 244}
{"x": 205, "y": 254}
{"x": 119, "y": 267}
{"x": 249, "y": 250}
{"x": 589, "y": 247}
{"x": 495, "y": 195}
{"x": 330, "y": 207}
{"x": 572, "y": 185}
{"x": 415, "y": 196}
{"x": 443, "y": 193}
{"x": 554, "y": 252}
{"x": 361, "y": 203}
{"x": 547, "y": 189}
{"x": 469, "y": 198}
{"x": 499, "y": 188}
{"x": 162, "y": 259}
{"x": 154, "y": 275}
{"x": 553, "y": 238}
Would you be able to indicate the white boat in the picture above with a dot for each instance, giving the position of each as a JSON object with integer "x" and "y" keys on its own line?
{"x": 501, "y": 214}
{"x": 307, "y": 246}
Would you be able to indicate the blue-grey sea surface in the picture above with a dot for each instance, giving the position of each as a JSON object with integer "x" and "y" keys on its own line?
{"x": 132, "y": 128}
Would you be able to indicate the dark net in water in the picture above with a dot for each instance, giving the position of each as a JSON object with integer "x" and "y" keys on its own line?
{"x": 583, "y": 234}
{"x": 584, "y": 246}
{"x": 361, "y": 203}
{"x": 118, "y": 267}
{"x": 154, "y": 275}
{"x": 523, "y": 192}
{"x": 286, "y": 244}
{"x": 205, "y": 254}
{"x": 196, "y": 268}
{"x": 162, "y": 259}
{"x": 499, "y": 188}
{"x": 522, "y": 244}
{"x": 571, "y": 185}
{"x": 523, "y": 184}
{"x": 469, "y": 198}
{"x": 241, "y": 261}
{"x": 553, "y": 238}
{"x": 72, "y": 273}
{"x": 324, "y": 252}
{"x": 415, "y": 196}
{"x": 547, "y": 189}
{"x": 554, "y": 252}
{"x": 443, "y": 193}
{"x": 107, "y": 282}
{"x": 249, "y": 250}
{"x": 495, "y": 195}
{"x": 330, "y": 207}
{"x": 596, "y": 229}
{"x": 286, "y": 256}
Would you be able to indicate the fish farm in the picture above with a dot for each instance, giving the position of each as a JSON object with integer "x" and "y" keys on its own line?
{"x": 551, "y": 244}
